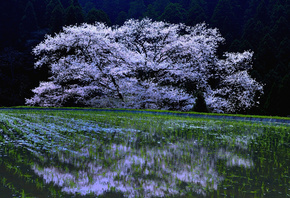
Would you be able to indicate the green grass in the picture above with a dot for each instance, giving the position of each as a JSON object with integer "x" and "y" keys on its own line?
{"x": 160, "y": 111}
{"x": 146, "y": 155}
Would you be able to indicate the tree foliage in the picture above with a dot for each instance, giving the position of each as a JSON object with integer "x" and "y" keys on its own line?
{"x": 143, "y": 64}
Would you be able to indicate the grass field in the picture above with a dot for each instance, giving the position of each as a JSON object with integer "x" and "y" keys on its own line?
{"x": 69, "y": 153}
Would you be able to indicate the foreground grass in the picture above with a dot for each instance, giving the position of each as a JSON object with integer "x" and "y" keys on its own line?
{"x": 77, "y": 153}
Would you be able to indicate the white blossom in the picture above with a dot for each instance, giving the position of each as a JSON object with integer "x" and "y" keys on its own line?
{"x": 143, "y": 64}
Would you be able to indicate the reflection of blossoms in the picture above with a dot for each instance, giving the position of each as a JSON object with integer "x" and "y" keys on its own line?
{"x": 169, "y": 169}
{"x": 146, "y": 172}
{"x": 234, "y": 160}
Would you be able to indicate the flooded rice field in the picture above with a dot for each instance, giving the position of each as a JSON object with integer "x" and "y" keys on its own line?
{"x": 117, "y": 154}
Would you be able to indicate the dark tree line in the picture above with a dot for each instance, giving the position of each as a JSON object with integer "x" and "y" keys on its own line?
{"x": 260, "y": 25}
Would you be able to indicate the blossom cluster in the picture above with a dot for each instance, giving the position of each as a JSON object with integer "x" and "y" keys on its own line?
{"x": 143, "y": 64}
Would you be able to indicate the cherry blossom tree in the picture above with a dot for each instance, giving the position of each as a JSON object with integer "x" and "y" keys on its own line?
{"x": 143, "y": 64}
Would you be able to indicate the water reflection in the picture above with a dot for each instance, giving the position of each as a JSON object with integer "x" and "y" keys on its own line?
{"x": 90, "y": 163}
{"x": 234, "y": 160}
{"x": 146, "y": 172}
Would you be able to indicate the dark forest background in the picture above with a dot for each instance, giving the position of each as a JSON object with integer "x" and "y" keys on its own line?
{"x": 259, "y": 25}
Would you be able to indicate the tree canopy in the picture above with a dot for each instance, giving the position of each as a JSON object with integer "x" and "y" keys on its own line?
{"x": 143, "y": 64}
